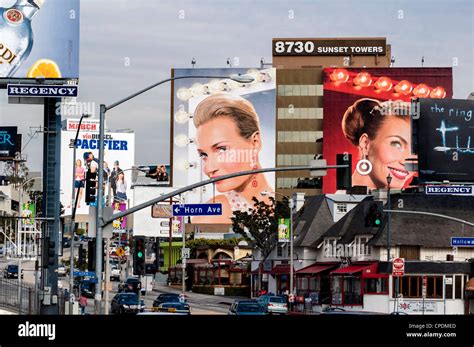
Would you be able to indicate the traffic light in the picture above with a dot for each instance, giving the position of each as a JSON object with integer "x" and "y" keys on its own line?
{"x": 91, "y": 255}
{"x": 344, "y": 175}
{"x": 82, "y": 256}
{"x": 91, "y": 185}
{"x": 139, "y": 256}
{"x": 49, "y": 252}
{"x": 373, "y": 212}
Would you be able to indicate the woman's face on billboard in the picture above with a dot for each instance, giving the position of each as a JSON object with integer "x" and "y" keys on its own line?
{"x": 223, "y": 151}
{"x": 388, "y": 152}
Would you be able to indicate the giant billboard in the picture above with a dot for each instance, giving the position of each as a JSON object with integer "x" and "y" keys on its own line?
{"x": 444, "y": 135}
{"x": 119, "y": 156}
{"x": 8, "y": 142}
{"x": 220, "y": 126}
{"x": 39, "y": 39}
{"x": 367, "y": 114}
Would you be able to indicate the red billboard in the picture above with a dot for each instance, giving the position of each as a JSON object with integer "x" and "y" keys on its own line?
{"x": 367, "y": 115}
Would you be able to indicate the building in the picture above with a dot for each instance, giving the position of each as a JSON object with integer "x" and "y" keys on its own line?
{"x": 344, "y": 263}
{"x": 299, "y": 79}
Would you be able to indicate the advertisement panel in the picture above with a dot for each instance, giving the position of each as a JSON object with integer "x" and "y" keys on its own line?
{"x": 28, "y": 211}
{"x": 119, "y": 225}
{"x": 39, "y": 39}
{"x": 284, "y": 230}
{"x": 367, "y": 114}
{"x": 8, "y": 145}
{"x": 119, "y": 156}
{"x": 220, "y": 127}
{"x": 152, "y": 174}
{"x": 445, "y": 141}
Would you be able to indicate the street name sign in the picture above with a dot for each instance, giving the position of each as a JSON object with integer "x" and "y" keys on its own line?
{"x": 84, "y": 273}
{"x": 398, "y": 267}
{"x": 448, "y": 190}
{"x": 462, "y": 241}
{"x": 197, "y": 210}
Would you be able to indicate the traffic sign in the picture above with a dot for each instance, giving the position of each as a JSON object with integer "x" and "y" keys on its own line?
{"x": 197, "y": 210}
{"x": 462, "y": 241}
{"x": 185, "y": 253}
{"x": 84, "y": 273}
{"x": 398, "y": 267}
{"x": 120, "y": 252}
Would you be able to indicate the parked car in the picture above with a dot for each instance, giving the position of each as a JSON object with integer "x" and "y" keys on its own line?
{"x": 11, "y": 271}
{"x": 2, "y": 250}
{"x": 62, "y": 270}
{"x": 126, "y": 303}
{"x": 66, "y": 242}
{"x": 341, "y": 311}
{"x": 131, "y": 284}
{"x": 273, "y": 304}
{"x": 168, "y": 297}
{"x": 174, "y": 307}
{"x": 246, "y": 307}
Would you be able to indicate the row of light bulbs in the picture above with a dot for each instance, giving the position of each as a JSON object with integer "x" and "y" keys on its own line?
{"x": 385, "y": 84}
{"x": 218, "y": 86}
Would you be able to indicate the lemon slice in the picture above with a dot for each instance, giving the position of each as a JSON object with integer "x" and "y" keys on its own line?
{"x": 44, "y": 68}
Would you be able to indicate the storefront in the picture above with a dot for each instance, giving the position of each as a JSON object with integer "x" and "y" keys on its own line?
{"x": 313, "y": 282}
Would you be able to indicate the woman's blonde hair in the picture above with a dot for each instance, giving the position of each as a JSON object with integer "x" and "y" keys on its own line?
{"x": 240, "y": 110}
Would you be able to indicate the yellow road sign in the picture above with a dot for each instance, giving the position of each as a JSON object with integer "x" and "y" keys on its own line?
{"x": 120, "y": 252}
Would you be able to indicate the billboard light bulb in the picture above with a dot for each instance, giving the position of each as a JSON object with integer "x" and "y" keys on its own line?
{"x": 339, "y": 75}
{"x": 438, "y": 93}
{"x": 183, "y": 94}
{"x": 363, "y": 79}
{"x": 181, "y": 140}
{"x": 421, "y": 91}
{"x": 383, "y": 84}
{"x": 182, "y": 117}
{"x": 404, "y": 87}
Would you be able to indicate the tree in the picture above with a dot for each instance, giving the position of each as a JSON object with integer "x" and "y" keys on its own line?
{"x": 17, "y": 173}
{"x": 261, "y": 223}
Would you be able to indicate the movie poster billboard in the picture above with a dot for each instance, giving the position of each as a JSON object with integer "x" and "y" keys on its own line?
{"x": 367, "y": 114}
{"x": 39, "y": 39}
{"x": 119, "y": 158}
{"x": 445, "y": 139}
{"x": 119, "y": 225}
{"x": 220, "y": 127}
{"x": 8, "y": 145}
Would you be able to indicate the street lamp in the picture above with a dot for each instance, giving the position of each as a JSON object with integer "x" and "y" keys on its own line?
{"x": 100, "y": 190}
{"x": 291, "y": 205}
{"x": 73, "y": 213}
{"x": 389, "y": 180}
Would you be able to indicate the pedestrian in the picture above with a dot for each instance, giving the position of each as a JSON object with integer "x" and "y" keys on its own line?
{"x": 182, "y": 298}
{"x": 291, "y": 300}
{"x": 83, "y": 303}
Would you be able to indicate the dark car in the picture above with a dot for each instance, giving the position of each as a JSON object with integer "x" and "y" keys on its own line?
{"x": 66, "y": 242}
{"x": 11, "y": 271}
{"x": 126, "y": 303}
{"x": 130, "y": 285}
{"x": 246, "y": 308}
{"x": 162, "y": 298}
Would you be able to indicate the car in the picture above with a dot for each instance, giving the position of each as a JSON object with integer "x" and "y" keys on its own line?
{"x": 66, "y": 242}
{"x": 2, "y": 250}
{"x": 174, "y": 307}
{"x": 123, "y": 303}
{"x": 246, "y": 308}
{"x": 115, "y": 273}
{"x": 167, "y": 297}
{"x": 131, "y": 284}
{"x": 62, "y": 270}
{"x": 341, "y": 311}
{"x": 273, "y": 304}
{"x": 11, "y": 271}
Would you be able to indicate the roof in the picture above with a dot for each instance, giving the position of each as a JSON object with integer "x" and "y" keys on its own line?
{"x": 426, "y": 231}
{"x": 313, "y": 220}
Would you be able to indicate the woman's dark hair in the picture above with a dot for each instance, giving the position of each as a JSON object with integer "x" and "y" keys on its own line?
{"x": 366, "y": 116}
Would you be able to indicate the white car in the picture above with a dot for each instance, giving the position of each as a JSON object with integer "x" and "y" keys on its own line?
{"x": 115, "y": 273}
{"x": 62, "y": 270}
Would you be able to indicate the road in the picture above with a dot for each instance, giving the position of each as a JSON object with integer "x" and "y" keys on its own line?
{"x": 201, "y": 304}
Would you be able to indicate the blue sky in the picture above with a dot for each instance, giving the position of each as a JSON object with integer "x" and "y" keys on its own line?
{"x": 126, "y": 45}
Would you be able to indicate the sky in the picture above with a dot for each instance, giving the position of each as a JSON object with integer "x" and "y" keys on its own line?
{"x": 126, "y": 45}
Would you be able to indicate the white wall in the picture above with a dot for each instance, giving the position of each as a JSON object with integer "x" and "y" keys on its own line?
{"x": 376, "y": 303}
{"x": 434, "y": 254}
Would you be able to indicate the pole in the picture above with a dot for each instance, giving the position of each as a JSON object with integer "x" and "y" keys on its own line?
{"x": 73, "y": 216}
{"x": 389, "y": 179}
{"x": 100, "y": 193}
{"x": 291, "y": 245}
{"x": 183, "y": 258}
{"x": 107, "y": 276}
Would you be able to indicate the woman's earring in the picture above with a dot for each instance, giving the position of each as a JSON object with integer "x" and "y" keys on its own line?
{"x": 364, "y": 166}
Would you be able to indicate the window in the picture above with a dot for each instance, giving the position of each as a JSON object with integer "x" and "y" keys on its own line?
{"x": 458, "y": 287}
{"x": 341, "y": 208}
{"x": 279, "y": 250}
{"x": 336, "y": 290}
{"x": 434, "y": 287}
{"x": 408, "y": 286}
{"x": 300, "y": 90}
{"x": 376, "y": 285}
{"x": 410, "y": 252}
{"x": 360, "y": 244}
{"x": 352, "y": 295}
{"x": 449, "y": 287}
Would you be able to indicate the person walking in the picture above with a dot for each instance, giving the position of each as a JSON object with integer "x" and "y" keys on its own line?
{"x": 83, "y": 303}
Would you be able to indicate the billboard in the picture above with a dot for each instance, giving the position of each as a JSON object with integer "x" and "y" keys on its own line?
{"x": 367, "y": 114}
{"x": 28, "y": 211}
{"x": 119, "y": 225}
{"x": 152, "y": 174}
{"x": 8, "y": 145}
{"x": 284, "y": 226}
{"x": 220, "y": 126}
{"x": 39, "y": 39}
{"x": 119, "y": 156}
{"x": 444, "y": 134}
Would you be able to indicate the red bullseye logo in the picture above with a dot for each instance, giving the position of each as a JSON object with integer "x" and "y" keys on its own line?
{"x": 14, "y": 16}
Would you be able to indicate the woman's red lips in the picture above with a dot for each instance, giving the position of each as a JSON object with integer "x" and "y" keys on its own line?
{"x": 400, "y": 174}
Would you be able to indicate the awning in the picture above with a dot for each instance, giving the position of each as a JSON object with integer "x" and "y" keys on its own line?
{"x": 197, "y": 261}
{"x": 470, "y": 285}
{"x": 314, "y": 269}
{"x": 367, "y": 270}
{"x": 281, "y": 269}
